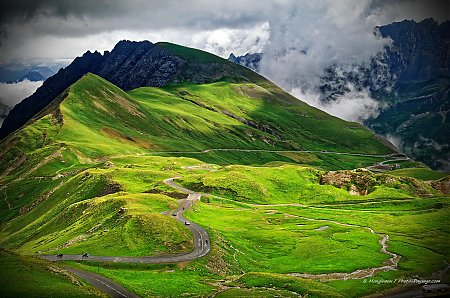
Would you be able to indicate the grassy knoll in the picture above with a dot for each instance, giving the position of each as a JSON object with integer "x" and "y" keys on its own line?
{"x": 104, "y": 210}
{"x": 30, "y": 277}
{"x": 294, "y": 184}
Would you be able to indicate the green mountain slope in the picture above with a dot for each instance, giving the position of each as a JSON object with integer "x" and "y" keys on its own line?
{"x": 98, "y": 119}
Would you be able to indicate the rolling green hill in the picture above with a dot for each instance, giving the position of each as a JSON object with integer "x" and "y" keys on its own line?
{"x": 98, "y": 119}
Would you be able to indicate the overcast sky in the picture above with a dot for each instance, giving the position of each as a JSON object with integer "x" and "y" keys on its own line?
{"x": 55, "y": 31}
{"x": 52, "y": 30}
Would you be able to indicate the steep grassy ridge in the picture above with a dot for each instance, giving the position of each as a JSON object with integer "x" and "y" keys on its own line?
{"x": 98, "y": 119}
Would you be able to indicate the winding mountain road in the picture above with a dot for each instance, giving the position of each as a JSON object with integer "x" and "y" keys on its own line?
{"x": 104, "y": 284}
{"x": 270, "y": 151}
{"x": 202, "y": 244}
{"x": 202, "y": 247}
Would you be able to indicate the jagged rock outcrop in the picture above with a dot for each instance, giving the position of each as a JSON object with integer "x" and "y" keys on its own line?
{"x": 248, "y": 60}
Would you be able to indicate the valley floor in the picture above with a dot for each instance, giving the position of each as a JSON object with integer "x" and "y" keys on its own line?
{"x": 273, "y": 230}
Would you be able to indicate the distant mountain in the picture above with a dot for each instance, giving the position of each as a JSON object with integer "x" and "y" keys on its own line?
{"x": 419, "y": 61}
{"x": 227, "y": 106}
{"x": 33, "y": 76}
{"x": 17, "y": 73}
{"x": 420, "y": 51}
{"x": 129, "y": 65}
{"x": 411, "y": 77}
{"x": 251, "y": 61}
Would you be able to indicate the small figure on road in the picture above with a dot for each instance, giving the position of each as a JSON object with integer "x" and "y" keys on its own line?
{"x": 60, "y": 255}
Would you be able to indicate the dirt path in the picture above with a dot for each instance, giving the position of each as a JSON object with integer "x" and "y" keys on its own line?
{"x": 390, "y": 264}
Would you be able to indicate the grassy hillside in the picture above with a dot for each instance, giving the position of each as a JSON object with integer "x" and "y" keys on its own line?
{"x": 30, "y": 277}
{"x": 420, "y": 173}
{"x": 103, "y": 210}
{"x": 303, "y": 185}
{"x": 98, "y": 119}
{"x": 187, "y": 117}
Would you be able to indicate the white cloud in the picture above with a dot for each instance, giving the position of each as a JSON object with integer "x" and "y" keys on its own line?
{"x": 353, "y": 106}
{"x": 11, "y": 94}
{"x": 316, "y": 35}
{"x": 221, "y": 42}
{"x": 224, "y": 41}
{"x": 53, "y": 29}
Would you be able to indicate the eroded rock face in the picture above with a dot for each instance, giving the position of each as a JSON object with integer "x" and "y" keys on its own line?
{"x": 362, "y": 182}
{"x": 359, "y": 182}
{"x": 135, "y": 64}
{"x": 442, "y": 185}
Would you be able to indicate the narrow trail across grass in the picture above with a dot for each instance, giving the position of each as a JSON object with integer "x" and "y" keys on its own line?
{"x": 390, "y": 264}
{"x": 271, "y": 151}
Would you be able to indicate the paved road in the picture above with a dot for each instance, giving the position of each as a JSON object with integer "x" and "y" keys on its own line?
{"x": 383, "y": 163}
{"x": 109, "y": 287}
{"x": 201, "y": 238}
{"x": 269, "y": 151}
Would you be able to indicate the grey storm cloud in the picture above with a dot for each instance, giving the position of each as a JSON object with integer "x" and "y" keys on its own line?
{"x": 31, "y": 29}
{"x": 50, "y": 29}
{"x": 87, "y": 17}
